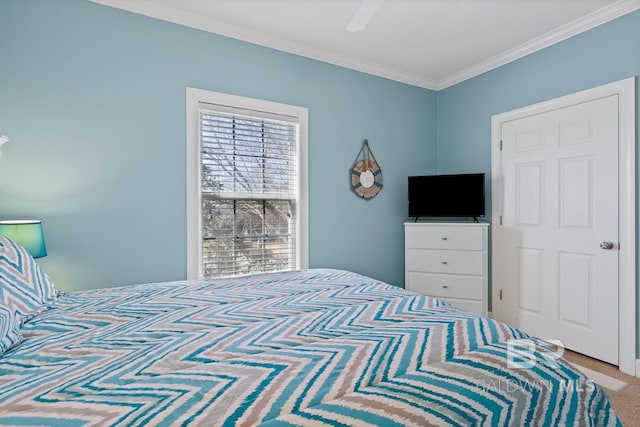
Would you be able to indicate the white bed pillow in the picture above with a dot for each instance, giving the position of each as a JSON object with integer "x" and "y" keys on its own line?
{"x": 24, "y": 286}
{"x": 10, "y": 335}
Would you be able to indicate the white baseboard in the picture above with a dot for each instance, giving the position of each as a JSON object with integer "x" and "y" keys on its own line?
{"x": 611, "y": 386}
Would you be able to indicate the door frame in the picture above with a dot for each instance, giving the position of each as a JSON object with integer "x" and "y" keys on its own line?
{"x": 626, "y": 92}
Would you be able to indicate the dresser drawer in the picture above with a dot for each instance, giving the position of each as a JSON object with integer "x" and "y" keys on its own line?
{"x": 452, "y": 262}
{"x": 446, "y": 286}
{"x": 444, "y": 237}
{"x": 449, "y": 262}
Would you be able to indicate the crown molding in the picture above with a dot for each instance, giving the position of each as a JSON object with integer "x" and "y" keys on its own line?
{"x": 262, "y": 38}
{"x": 580, "y": 25}
{"x": 177, "y": 16}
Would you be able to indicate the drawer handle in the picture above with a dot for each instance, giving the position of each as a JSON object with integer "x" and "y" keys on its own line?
{"x": 445, "y": 262}
{"x": 445, "y": 238}
{"x": 445, "y": 286}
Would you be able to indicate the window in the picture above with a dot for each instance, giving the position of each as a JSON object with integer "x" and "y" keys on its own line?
{"x": 246, "y": 178}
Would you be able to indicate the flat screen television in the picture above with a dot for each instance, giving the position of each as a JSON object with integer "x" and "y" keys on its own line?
{"x": 459, "y": 195}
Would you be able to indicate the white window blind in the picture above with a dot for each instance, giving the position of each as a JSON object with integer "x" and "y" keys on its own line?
{"x": 248, "y": 191}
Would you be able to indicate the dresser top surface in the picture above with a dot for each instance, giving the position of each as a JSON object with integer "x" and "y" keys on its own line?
{"x": 445, "y": 224}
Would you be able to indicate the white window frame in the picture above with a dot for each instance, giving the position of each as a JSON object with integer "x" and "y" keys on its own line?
{"x": 194, "y": 189}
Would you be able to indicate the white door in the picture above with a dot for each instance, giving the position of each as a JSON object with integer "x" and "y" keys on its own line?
{"x": 559, "y": 233}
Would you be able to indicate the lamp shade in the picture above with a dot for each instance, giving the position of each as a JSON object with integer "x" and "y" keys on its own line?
{"x": 26, "y": 233}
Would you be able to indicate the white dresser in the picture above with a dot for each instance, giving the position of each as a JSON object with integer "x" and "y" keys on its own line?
{"x": 448, "y": 260}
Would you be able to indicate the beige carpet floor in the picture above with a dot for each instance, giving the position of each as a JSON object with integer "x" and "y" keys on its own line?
{"x": 627, "y": 403}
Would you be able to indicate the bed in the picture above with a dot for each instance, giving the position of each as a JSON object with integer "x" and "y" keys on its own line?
{"x": 311, "y": 347}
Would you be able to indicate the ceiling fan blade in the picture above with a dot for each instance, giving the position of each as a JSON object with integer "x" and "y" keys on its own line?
{"x": 363, "y": 15}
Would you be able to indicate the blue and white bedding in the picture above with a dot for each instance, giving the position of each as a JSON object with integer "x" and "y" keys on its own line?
{"x": 313, "y": 347}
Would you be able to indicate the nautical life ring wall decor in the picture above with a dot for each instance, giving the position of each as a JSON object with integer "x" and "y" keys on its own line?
{"x": 366, "y": 175}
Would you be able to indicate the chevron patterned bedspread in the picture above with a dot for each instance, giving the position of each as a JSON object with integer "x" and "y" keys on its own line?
{"x": 312, "y": 347}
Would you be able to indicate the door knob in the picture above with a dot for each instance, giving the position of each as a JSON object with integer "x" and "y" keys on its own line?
{"x": 606, "y": 245}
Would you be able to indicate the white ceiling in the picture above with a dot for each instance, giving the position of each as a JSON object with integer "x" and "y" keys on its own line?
{"x": 428, "y": 43}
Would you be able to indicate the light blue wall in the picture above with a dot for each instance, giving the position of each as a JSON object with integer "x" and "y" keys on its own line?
{"x": 93, "y": 99}
{"x": 602, "y": 55}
